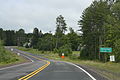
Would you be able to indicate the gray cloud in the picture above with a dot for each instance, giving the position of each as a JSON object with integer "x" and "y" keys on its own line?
{"x": 27, "y": 14}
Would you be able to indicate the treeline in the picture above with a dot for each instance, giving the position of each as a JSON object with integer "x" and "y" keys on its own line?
{"x": 13, "y": 38}
{"x": 100, "y": 25}
{"x": 59, "y": 42}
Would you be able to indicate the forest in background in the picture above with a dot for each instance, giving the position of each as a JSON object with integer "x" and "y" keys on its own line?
{"x": 59, "y": 42}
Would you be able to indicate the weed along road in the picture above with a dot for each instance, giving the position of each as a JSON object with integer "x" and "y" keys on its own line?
{"x": 43, "y": 69}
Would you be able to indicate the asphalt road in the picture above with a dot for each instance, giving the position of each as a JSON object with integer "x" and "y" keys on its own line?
{"x": 43, "y": 69}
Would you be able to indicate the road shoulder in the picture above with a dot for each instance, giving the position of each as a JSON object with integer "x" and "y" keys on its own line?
{"x": 93, "y": 72}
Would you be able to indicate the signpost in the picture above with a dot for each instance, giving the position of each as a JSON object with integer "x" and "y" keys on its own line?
{"x": 112, "y": 58}
{"x": 106, "y": 50}
{"x": 103, "y": 49}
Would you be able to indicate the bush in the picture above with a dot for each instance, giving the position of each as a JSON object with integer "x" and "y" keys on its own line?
{"x": 55, "y": 50}
{"x": 42, "y": 52}
{"x": 73, "y": 56}
{"x": 66, "y": 49}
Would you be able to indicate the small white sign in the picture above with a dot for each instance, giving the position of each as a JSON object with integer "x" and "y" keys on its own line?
{"x": 62, "y": 54}
{"x": 112, "y": 58}
{"x": 11, "y": 49}
{"x": 18, "y": 54}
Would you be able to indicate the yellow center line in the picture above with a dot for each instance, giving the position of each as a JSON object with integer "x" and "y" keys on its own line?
{"x": 36, "y": 71}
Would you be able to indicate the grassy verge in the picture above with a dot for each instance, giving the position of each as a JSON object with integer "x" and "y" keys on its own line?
{"x": 109, "y": 69}
{"x": 18, "y": 61}
{"x": 7, "y": 58}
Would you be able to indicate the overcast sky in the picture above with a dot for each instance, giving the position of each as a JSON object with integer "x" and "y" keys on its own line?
{"x": 28, "y": 14}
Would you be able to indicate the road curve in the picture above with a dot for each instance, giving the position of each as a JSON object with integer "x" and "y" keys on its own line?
{"x": 55, "y": 70}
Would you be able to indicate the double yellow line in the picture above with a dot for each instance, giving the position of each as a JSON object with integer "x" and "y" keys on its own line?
{"x": 36, "y": 71}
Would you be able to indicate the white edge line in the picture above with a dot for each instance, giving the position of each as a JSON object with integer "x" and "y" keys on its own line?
{"x": 28, "y": 58}
{"x": 18, "y": 64}
{"x": 82, "y": 70}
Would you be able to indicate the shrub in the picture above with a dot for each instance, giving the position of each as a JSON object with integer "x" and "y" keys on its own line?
{"x": 66, "y": 49}
{"x": 55, "y": 50}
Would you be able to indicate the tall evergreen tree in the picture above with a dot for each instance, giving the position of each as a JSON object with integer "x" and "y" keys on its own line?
{"x": 21, "y": 37}
{"x": 9, "y": 37}
{"x": 1, "y": 34}
{"x": 92, "y": 26}
{"x": 115, "y": 29}
{"x": 60, "y": 22}
{"x": 35, "y": 37}
{"x": 60, "y": 30}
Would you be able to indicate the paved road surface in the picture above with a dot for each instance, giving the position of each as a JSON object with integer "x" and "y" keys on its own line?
{"x": 56, "y": 70}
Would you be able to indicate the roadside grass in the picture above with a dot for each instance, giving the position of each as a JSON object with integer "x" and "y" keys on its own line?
{"x": 109, "y": 70}
{"x": 35, "y": 51}
{"x": 76, "y": 52}
{"x": 12, "y": 58}
{"x": 20, "y": 60}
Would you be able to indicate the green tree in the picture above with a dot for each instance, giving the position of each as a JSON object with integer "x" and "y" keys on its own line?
{"x": 92, "y": 26}
{"x": 66, "y": 49}
{"x": 117, "y": 50}
{"x": 115, "y": 29}
{"x": 35, "y": 38}
{"x": 1, "y": 34}
{"x": 21, "y": 37}
{"x": 74, "y": 39}
{"x": 9, "y": 37}
{"x": 60, "y": 30}
{"x": 116, "y": 10}
{"x": 47, "y": 42}
{"x": 60, "y": 22}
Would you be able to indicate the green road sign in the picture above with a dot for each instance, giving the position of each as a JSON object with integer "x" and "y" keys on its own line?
{"x": 105, "y": 49}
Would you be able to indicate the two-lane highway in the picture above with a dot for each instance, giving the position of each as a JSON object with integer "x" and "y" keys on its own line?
{"x": 61, "y": 71}
{"x": 44, "y": 69}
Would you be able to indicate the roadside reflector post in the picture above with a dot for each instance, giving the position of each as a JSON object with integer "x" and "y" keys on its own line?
{"x": 11, "y": 49}
{"x": 18, "y": 54}
{"x": 105, "y": 50}
{"x": 62, "y": 56}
